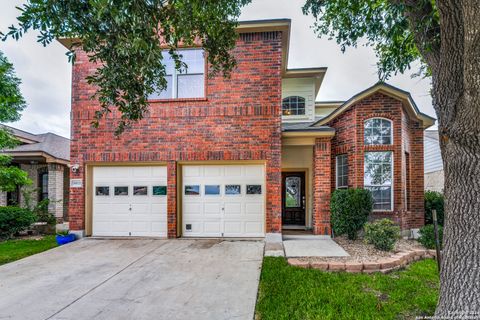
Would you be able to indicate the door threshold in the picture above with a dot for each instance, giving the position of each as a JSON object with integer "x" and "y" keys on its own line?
{"x": 293, "y": 227}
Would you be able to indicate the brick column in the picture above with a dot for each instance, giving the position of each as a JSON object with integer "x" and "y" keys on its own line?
{"x": 3, "y": 198}
{"x": 55, "y": 190}
{"x": 76, "y": 203}
{"x": 172, "y": 199}
{"x": 415, "y": 218}
{"x": 274, "y": 197}
{"x": 321, "y": 186}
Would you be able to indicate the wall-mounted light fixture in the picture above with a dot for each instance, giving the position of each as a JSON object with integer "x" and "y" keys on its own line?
{"x": 75, "y": 167}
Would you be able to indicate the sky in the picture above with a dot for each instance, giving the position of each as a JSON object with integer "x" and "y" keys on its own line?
{"x": 46, "y": 73}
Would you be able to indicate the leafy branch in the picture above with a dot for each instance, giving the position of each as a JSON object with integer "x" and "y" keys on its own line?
{"x": 127, "y": 40}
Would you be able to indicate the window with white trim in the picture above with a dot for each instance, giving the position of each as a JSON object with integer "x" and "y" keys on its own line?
{"x": 186, "y": 82}
{"x": 378, "y": 131}
{"x": 378, "y": 178}
{"x": 293, "y": 106}
{"x": 342, "y": 171}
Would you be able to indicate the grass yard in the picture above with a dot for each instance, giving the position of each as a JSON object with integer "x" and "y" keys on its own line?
{"x": 288, "y": 292}
{"x": 11, "y": 250}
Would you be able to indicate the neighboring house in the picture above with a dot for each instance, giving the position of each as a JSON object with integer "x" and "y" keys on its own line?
{"x": 434, "y": 176}
{"x": 45, "y": 157}
{"x": 243, "y": 156}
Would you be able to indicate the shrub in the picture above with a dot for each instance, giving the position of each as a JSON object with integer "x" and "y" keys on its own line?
{"x": 434, "y": 200}
{"x": 41, "y": 211}
{"x": 14, "y": 219}
{"x": 382, "y": 234}
{"x": 427, "y": 236}
{"x": 349, "y": 211}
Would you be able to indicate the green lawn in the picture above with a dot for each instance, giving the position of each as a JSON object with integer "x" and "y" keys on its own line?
{"x": 288, "y": 292}
{"x": 12, "y": 250}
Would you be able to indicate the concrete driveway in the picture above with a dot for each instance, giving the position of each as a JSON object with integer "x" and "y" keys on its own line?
{"x": 134, "y": 279}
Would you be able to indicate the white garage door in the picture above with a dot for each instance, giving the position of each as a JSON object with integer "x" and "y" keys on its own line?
{"x": 130, "y": 201}
{"x": 223, "y": 201}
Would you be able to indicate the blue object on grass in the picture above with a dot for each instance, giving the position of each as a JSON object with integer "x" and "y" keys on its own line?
{"x": 61, "y": 239}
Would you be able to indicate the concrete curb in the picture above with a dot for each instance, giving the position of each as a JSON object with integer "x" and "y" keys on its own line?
{"x": 274, "y": 245}
{"x": 385, "y": 265}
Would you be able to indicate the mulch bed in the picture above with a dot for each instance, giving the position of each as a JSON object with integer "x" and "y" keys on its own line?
{"x": 365, "y": 258}
{"x": 359, "y": 251}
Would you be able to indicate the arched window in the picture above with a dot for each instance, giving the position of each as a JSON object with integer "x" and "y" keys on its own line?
{"x": 378, "y": 131}
{"x": 293, "y": 106}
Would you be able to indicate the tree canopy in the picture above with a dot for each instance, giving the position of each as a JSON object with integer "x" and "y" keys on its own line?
{"x": 128, "y": 40}
{"x": 12, "y": 104}
{"x": 445, "y": 36}
{"x": 393, "y": 28}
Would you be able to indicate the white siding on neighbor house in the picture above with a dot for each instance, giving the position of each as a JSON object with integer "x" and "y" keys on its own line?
{"x": 435, "y": 181}
{"x": 303, "y": 87}
{"x": 432, "y": 155}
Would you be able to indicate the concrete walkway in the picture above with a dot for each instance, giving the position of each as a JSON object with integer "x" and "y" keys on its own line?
{"x": 312, "y": 246}
{"x": 134, "y": 279}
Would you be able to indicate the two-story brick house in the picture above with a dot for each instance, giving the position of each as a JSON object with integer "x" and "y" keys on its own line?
{"x": 244, "y": 156}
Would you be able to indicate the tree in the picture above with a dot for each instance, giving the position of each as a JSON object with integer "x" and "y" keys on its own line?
{"x": 128, "y": 39}
{"x": 124, "y": 38}
{"x": 445, "y": 36}
{"x": 11, "y": 104}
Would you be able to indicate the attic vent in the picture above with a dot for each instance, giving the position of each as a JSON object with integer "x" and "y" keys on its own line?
{"x": 256, "y": 36}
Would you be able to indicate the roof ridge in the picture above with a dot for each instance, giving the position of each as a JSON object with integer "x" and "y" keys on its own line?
{"x": 54, "y": 134}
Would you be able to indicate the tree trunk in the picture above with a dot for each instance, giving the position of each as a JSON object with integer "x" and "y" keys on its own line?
{"x": 460, "y": 269}
{"x": 456, "y": 97}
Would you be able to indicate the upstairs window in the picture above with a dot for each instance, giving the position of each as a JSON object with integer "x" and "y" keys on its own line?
{"x": 378, "y": 131}
{"x": 293, "y": 106}
{"x": 186, "y": 82}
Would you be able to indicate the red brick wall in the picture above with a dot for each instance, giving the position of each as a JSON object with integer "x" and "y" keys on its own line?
{"x": 407, "y": 137}
{"x": 240, "y": 119}
{"x": 321, "y": 186}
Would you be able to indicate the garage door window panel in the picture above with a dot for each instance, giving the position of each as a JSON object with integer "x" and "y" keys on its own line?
{"x": 121, "y": 191}
{"x": 253, "y": 189}
{"x": 159, "y": 190}
{"x": 212, "y": 190}
{"x": 233, "y": 189}
{"x": 192, "y": 190}
{"x": 140, "y": 190}
{"x": 102, "y": 191}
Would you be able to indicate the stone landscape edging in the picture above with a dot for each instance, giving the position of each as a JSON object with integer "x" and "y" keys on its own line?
{"x": 384, "y": 265}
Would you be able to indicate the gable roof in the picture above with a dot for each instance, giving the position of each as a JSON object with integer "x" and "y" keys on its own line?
{"x": 388, "y": 90}
{"x": 51, "y": 144}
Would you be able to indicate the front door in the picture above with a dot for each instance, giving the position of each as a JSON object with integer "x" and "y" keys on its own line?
{"x": 293, "y": 198}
